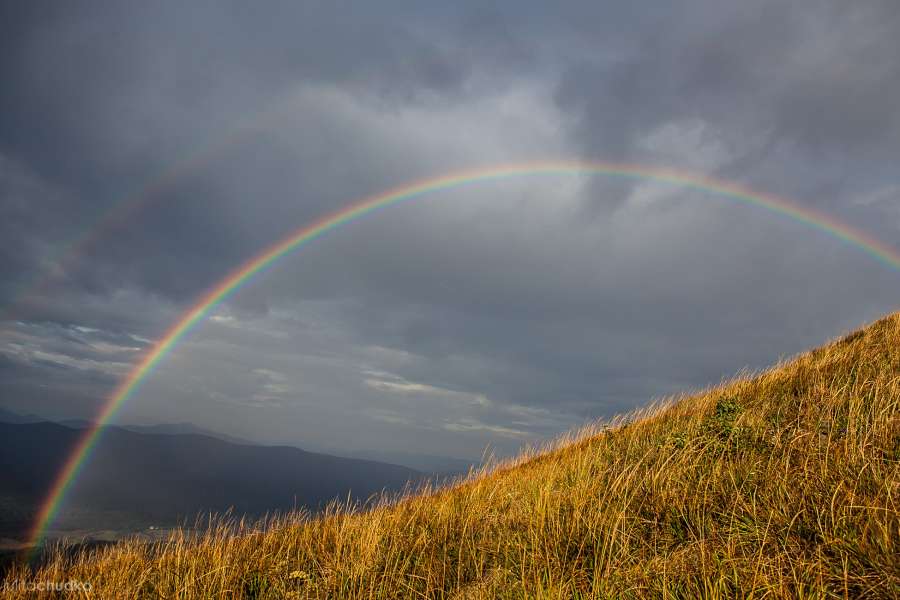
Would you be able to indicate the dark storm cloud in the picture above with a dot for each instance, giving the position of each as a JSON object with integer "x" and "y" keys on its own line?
{"x": 818, "y": 73}
{"x": 103, "y": 99}
{"x": 496, "y": 313}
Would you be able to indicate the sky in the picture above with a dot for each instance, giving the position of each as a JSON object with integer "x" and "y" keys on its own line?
{"x": 148, "y": 149}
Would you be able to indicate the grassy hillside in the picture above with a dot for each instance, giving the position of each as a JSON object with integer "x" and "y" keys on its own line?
{"x": 782, "y": 484}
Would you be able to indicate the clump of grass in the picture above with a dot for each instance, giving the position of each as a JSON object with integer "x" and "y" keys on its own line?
{"x": 780, "y": 484}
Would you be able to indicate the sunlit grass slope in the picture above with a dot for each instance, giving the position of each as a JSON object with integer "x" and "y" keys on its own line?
{"x": 781, "y": 484}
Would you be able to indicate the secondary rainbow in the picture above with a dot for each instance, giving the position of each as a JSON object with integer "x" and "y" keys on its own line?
{"x": 126, "y": 209}
{"x": 882, "y": 252}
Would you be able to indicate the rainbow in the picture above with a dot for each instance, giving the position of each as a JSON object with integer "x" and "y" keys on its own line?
{"x": 245, "y": 272}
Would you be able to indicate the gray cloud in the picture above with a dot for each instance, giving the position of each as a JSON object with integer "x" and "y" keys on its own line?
{"x": 499, "y": 313}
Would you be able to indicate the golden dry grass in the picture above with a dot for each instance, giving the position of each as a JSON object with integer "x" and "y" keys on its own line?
{"x": 781, "y": 484}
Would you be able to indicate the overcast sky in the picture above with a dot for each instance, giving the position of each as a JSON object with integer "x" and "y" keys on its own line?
{"x": 499, "y": 314}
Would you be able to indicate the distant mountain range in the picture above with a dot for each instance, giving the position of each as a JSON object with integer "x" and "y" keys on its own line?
{"x": 166, "y": 474}
{"x": 8, "y": 416}
{"x": 167, "y": 429}
{"x": 432, "y": 464}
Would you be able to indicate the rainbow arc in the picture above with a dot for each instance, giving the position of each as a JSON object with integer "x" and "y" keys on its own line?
{"x": 240, "y": 276}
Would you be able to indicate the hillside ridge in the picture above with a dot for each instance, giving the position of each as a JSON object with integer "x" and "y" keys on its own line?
{"x": 782, "y": 483}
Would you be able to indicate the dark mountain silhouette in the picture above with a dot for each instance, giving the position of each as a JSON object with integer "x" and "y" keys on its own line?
{"x": 139, "y": 478}
{"x": 8, "y": 416}
{"x": 160, "y": 428}
{"x": 431, "y": 464}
